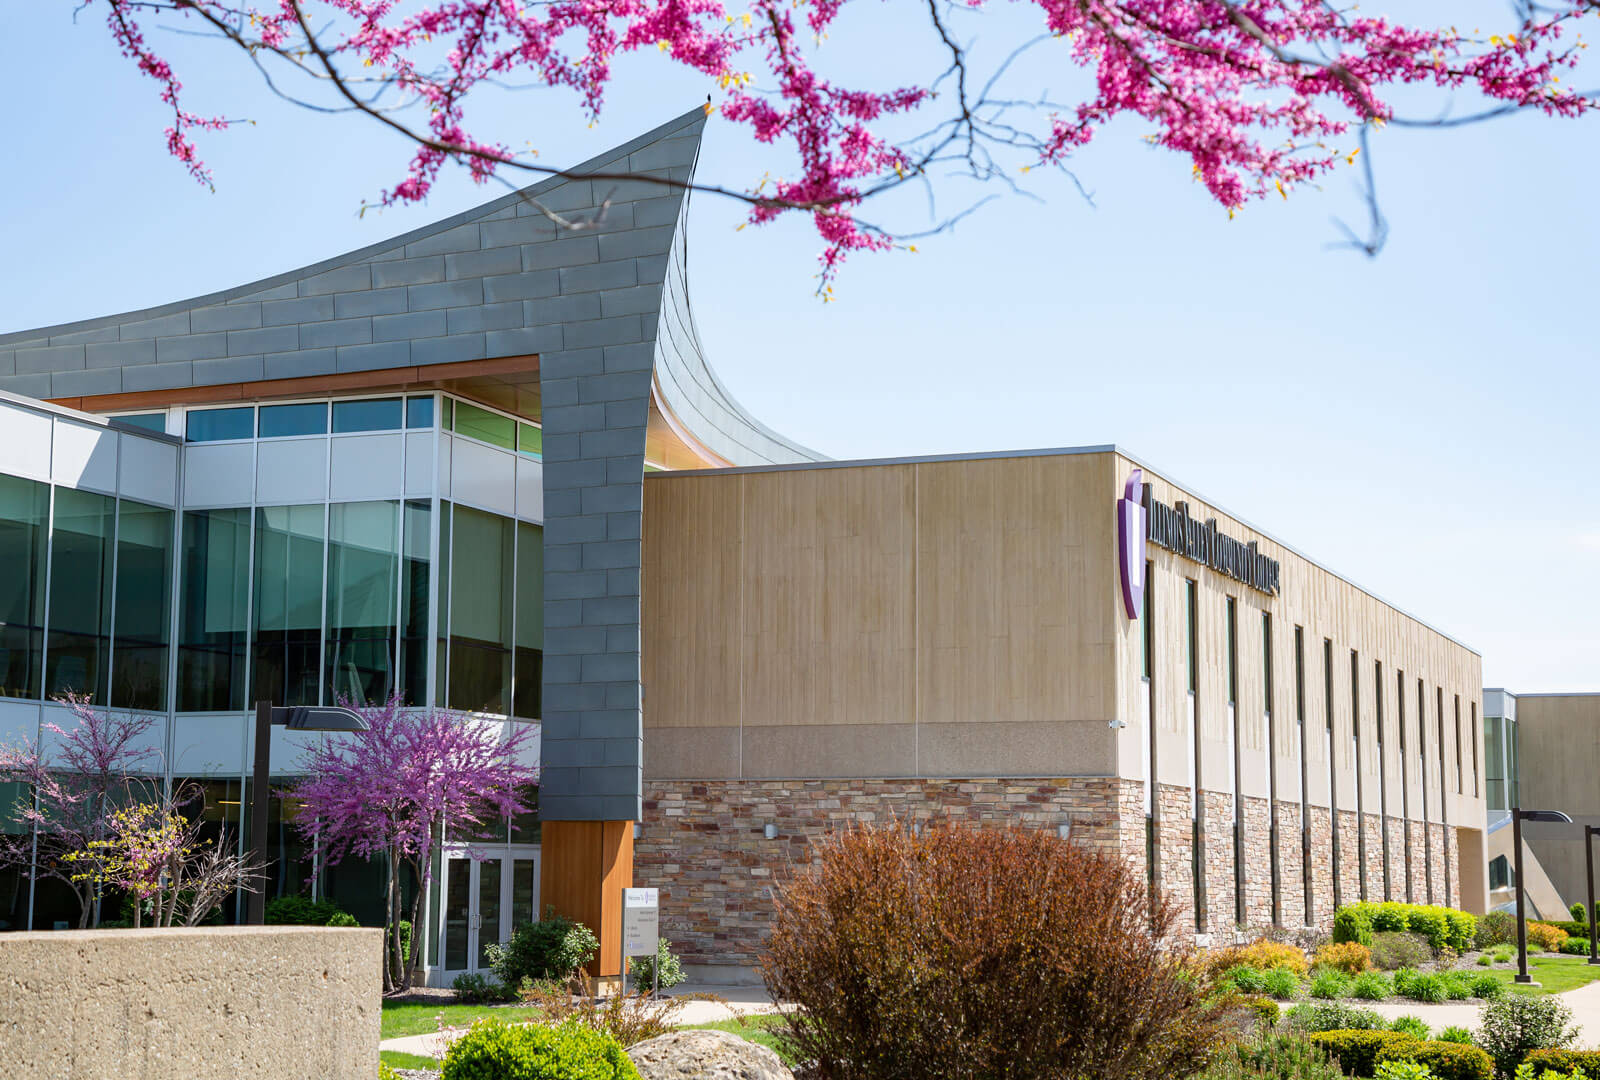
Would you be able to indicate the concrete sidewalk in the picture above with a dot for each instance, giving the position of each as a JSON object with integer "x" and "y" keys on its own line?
{"x": 737, "y": 1000}
{"x": 1584, "y": 1003}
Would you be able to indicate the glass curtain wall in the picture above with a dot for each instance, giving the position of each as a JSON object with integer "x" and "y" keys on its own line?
{"x": 529, "y": 663}
{"x": 416, "y": 520}
{"x": 286, "y": 655}
{"x": 213, "y": 610}
{"x": 24, "y": 532}
{"x": 143, "y": 597}
{"x": 78, "y": 645}
{"x": 363, "y": 594}
{"x": 482, "y": 561}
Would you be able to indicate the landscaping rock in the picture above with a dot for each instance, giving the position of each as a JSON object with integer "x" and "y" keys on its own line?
{"x": 705, "y": 1055}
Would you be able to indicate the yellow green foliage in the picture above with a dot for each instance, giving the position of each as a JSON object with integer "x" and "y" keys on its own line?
{"x": 1350, "y": 957}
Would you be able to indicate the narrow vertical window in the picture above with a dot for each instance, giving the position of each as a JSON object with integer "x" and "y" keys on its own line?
{"x": 1444, "y": 813}
{"x": 1383, "y": 777}
{"x": 1305, "y": 806}
{"x": 78, "y": 646}
{"x": 144, "y": 605}
{"x": 1191, "y": 601}
{"x": 286, "y": 660}
{"x": 441, "y": 643}
{"x": 213, "y": 610}
{"x": 415, "y": 571}
{"x": 1235, "y": 786}
{"x": 1473, "y": 734}
{"x": 1422, "y": 783}
{"x": 363, "y": 597}
{"x": 482, "y": 561}
{"x": 1272, "y": 767}
{"x": 24, "y": 552}
{"x": 528, "y": 670}
{"x": 1405, "y": 786}
{"x": 1355, "y": 761}
{"x": 1151, "y": 848}
{"x": 1197, "y": 855}
{"x": 1333, "y": 778}
{"x": 1459, "y": 787}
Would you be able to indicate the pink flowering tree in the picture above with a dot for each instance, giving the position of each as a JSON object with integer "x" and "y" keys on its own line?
{"x": 1261, "y": 96}
{"x": 73, "y": 782}
{"x": 397, "y": 789}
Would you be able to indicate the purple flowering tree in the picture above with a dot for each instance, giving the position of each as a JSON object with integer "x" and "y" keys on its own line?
{"x": 70, "y": 791}
{"x": 397, "y": 789}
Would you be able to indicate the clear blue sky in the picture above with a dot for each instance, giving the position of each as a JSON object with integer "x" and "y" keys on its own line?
{"x": 1425, "y": 423}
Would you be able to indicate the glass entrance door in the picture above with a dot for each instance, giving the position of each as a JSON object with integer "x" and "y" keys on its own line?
{"x": 484, "y": 900}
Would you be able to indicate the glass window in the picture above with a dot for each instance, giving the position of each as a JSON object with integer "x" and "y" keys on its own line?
{"x": 530, "y": 620}
{"x": 212, "y": 610}
{"x": 287, "y": 655}
{"x": 414, "y": 603}
{"x": 150, "y": 421}
{"x": 441, "y": 647}
{"x": 213, "y": 425}
{"x": 1499, "y": 872}
{"x": 24, "y": 534}
{"x": 419, "y": 412}
{"x": 363, "y": 590}
{"x": 280, "y": 420}
{"x": 480, "y": 611}
{"x": 79, "y": 641}
{"x": 1233, "y": 651}
{"x": 144, "y": 598}
{"x": 1191, "y": 603}
{"x": 372, "y": 414}
{"x": 530, "y": 440}
{"x": 447, "y": 414}
{"x": 492, "y": 428}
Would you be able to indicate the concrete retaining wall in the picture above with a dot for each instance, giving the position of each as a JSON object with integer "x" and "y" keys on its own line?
{"x": 220, "y": 1003}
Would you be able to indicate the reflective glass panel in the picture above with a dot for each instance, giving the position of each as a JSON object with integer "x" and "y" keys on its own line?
{"x": 414, "y": 603}
{"x": 150, "y": 421}
{"x": 419, "y": 412}
{"x": 79, "y": 641}
{"x": 530, "y": 621}
{"x": 286, "y": 658}
{"x": 212, "y": 610}
{"x": 488, "y": 908}
{"x": 524, "y": 891}
{"x": 24, "y": 535}
{"x": 372, "y": 414}
{"x": 525, "y": 827}
{"x": 144, "y": 599}
{"x": 306, "y": 419}
{"x": 448, "y": 414}
{"x": 363, "y": 591}
{"x": 457, "y": 911}
{"x": 480, "y": 611}
{"x": 441, "y": 655}
{"x": 481, "y": 424}
{"x": 213, "y": 425}
{"x": 530, "y": 440}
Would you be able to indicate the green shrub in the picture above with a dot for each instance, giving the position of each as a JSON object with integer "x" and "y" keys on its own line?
{"x": 343, "y": 918}
{"x": 1458, "y": 985}
{"x": 1272, "y": 1057}
{"x": 402, "y": 929}
{"x": 1486, "y": 960}
{"x": 1350, "y": 957}
{"x": 386, "y": 1072}
{"x": 1513, "y": 1026}
{"x": 1413, "y": 1026}
{"x": 1573, "y": 929}
{"x": 1357, "y": 1051}
{"x": 1353, "y": 922}
{"x": 296, "y": 910}
{"x": 1371, "y": 986}
{"x": 474, "y": 989}
{"x": 494, "y": 1050}
{"x": 1457, "y": 1034}
{"x": 1579, "y": 915}
{"x": 1265, "y": 1009}
{"x": 1400, "y": 949}
{"x": 643, "y": 969}
{"x": 1401, "y": 1069}
{"x": 1328, "y": 984}
{"x": 1545, "y": 936}
{"x": 553, "y": 948}
{"x": 1428, "y": 986}
{"x": 1246, "y": 979}
{"x": 1576, "y": 946}
{"x": 1387, "y": 917}
{"x": 1565, "y": 1061}
{"x": 1448, "y": 1060}
{"x": 1486, "y": 986}
{"x": 1314, "y": 1016}
{"x": 1496, "y": 928}
{"x": 1439, "y": 925}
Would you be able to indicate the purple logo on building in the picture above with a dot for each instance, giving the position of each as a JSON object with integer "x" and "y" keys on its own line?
{"x": 1130, "y": 543}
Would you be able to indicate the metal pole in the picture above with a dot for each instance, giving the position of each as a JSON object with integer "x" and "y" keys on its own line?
{"x": 259, "y": 796}
{"x": 1588, "y": 858}
{"x": 1522, "y": 975}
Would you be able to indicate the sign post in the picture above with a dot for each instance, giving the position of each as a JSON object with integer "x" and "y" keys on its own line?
{"x": 641, "y": 928}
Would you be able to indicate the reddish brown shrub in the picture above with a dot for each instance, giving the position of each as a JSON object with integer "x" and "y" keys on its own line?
{"x": 966, "y": 954}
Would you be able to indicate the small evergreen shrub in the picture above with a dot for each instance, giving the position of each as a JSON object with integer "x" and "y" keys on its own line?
{"x": 1496, "y": 928}
{"x": 494, "y": 1050}
{"x": 1564, "y": 1061}
{"x": 1413, "y": 1026}
{"x": 1400, "y": 949}
{"x": 1579, "y": 915}
{"x": 1357, "y": 1051}
{"x": 343, "y": 918}
{"x": 1329, "y": 984}
{"x": 474, "y": 989}
{"x": 1314, "y": 1016}
{"x": 297, "y": 910}
{"x": 1546, "y": 937}
{"x": 1514, "y": 1026}
{"x": 1457, "y": 1034}
{"x": 1272, "y": 1057}
{"x": 1371, "y": 986}
{"x": 553, "y": 948}
{"x": 1350, "y": 957}
{"x": 643, "y": 969}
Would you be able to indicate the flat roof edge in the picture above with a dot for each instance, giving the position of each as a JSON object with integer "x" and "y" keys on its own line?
{"x": 1068, "y": 451}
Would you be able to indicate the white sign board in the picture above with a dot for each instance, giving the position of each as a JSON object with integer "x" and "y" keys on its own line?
{"x": 641, "y": 921}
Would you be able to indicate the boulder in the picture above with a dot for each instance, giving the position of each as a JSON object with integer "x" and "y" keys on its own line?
{"x": 705, "y": 1055}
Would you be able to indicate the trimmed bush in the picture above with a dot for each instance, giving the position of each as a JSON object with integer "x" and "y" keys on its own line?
{"x": 1546, "y": 937}
{"x": 553, "y": 948}
{"x": 494, "y": 1050}
{"x": 1371, "y": 986}
{"x": 642, "y": 969}
{"x": 1565, "y": 1061}
{"x": 1357, "y": 1051}
{"x": 1329, "y": 984}
{"x": 962, "y": 951}
{"x": 1441, "y": 926}
{"x": 1400, "y": 949}
{"x": 1515, "y": 1025}
{"x": 1413, "y": 1026}
{"x": 1333, "y": 1016}
{"x": 343, "y": 918}
{"x": 1352, "y": 923}
{"x": 1282, "y": 984}
{"x": 1401, "y": 1069}
{"x": 1579, "y": 915}
{"x": 1448, "y": 1059}
{"x": 297, "y": 910}
{"x": 1496, "y": 928}
{"x": 1350, "y": 957}
{"x": 1573, "y": 929}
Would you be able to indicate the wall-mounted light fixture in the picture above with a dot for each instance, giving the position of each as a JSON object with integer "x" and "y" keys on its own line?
{"x": 1064, "y": 830}
{"x": 770, "y": 832}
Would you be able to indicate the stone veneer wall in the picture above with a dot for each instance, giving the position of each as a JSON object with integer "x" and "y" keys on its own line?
{"x": 1349, "y": 858}
{"x": 703, "y": 844}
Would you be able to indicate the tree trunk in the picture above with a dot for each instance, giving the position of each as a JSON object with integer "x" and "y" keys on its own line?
{"x": 416, "y": 920}
{"x": 391, "y": 961}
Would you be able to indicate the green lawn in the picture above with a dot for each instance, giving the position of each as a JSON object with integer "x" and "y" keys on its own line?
{"x": 424, "y": 1019}
{"x": 396, "y": 1060}
{"x": 1555, "y": 974}
{"x": 757, "y": 1029}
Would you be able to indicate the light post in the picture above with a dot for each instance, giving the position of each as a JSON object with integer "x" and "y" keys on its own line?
{"x": 295, "y": 718}
{"x": 1589, "y": 833}
{"x": 1518, "y": 816}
